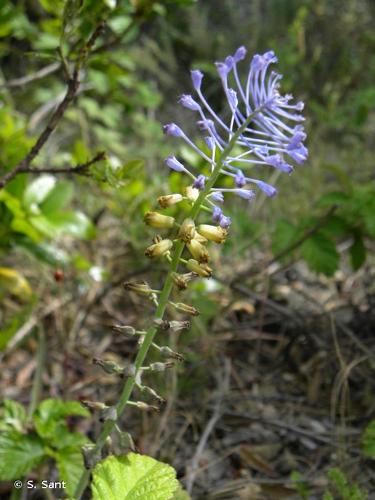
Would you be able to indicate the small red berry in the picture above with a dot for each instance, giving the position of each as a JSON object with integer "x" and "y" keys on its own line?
{"x": 58, "y": 275}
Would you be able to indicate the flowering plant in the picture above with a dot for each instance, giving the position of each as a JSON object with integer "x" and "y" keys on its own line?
{"x": 261, "y": 128}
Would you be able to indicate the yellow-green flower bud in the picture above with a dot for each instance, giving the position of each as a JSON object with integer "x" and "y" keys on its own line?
{"x": 174, "y": 326}
{"x": 187, "y": 230}
{"x": 125, "y": 330}
{"x": 180, "y": 306}
{"x": 158, "y": 249}
{"x": 108, "y": 366}
{"x": 201, "y": 269}
{"x": 179, "y": 281}
{"x": 167, "y": 352}
{"x": 145, "y": 407}
{"x": 160, "y": 367}
{"x": 198, "y": 251}
{"x": 169, "y": 200}
{"x": 191, "y": 193}
{"x": 154, "y": 219}
{"x": 93, "y": 405}
{"x": 200, "y": 238}
{"x": 142, "y": 288}
{"x": 213, "y": 233}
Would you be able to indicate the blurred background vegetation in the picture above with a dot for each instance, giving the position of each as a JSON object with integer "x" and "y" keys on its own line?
{"x": 67, "y": 241}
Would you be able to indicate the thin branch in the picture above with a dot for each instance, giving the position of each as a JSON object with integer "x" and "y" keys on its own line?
{"x": 80, "y": 168}
{"x": 24, "y": 80}
{"x": 310, "y": 232}
{"x": 73, "y": 85}
{"x": 293, "y": 246}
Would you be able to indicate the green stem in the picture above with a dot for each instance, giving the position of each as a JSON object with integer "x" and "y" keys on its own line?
{"x": 37, "y": 382}
{"x": 163, "y": 302}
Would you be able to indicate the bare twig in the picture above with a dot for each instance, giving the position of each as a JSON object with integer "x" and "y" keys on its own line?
{"x": 81, "y": 168}
{"x": 24, "y": 80}
{"x": 72, "y": 87}
{"x": 310, "y": 232}
{"x": 193, "y": 470}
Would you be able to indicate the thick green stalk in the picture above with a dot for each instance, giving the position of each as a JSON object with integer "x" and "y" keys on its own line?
{"x": 163, "y": 302}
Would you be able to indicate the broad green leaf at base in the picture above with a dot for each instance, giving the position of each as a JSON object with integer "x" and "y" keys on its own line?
{"x": 133, "y": 477}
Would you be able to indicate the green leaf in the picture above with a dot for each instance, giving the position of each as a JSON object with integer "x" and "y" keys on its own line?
{"x": 58, "y": 198}
{"x": 14, "y": 415}
{"x": 19, "y": 454}
{"x": 75, "y": 224}
{"x": 368, "y": 441}
{"x": 339, "y": 480}
{"x": 320, "y": 254}
{"x": 357, "y": 252}
{"x": 181, "y": 494}
{"x": 38, "y": 190}
{"x": 133, "y": 477}
{"x": 336, "y": 227}
{"x": 334, "y": 198}
{"x": 70, "y": 465}
{"x": 50, "y": 414}
{"x": 284, "y": 235}
{"x": 45, "y": 252}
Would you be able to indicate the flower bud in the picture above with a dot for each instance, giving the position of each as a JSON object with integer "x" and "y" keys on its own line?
{"x": 187, "y": 230}
{"x": 167, "y": 352}
{"x": 191, "y": 193}
{"x": 201, "y": 239}
{"x": 93, "y": 405}
{"x": 176, "y": 326}
{"x": 108, "y": 366}
{"x": 198, "y": 251}
{"x": 213, "y": 233}
{"x": 201, "y": 269}
{"x": 161, "y": 367}
{"x": 141, "y": 288}
{"x": 169, "y": 200}
{"x": 162, "y": 324}
{"x": 180, "y": 306}
{"x": 154, "y": 394}
{"x": 91, "y": 456}
{"x": 154, "y": 219}
{"x": 179, "y": 281}
{"x": 126, "y": 441}
{"x": 145, "y": 407}
{"x": 124, "y": 330}
{"x": 158, "y": 249}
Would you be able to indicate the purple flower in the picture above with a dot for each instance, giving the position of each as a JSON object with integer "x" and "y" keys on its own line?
{"x": 240, "y": 54}
{"x": 218, "y": 197}
{"x": 210, "y": 143}
{"x": 173, "y": 130}
{"x": 217, "y": 213}
{"x": 240, "y": 179}
{"x": 267, "y": 188}
{"x": 298, "y": 154}
{"x": 197, "y": 77}
{"x": 260, "y": 127}
{"x": 278, "y": 162}
{"x": 247, "y": 194}
{"x": 225, "y": 221}
{"x": 200, "y": 182}
{"x": 174, "y": 164}
{"x": 188, "y": 102}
